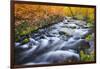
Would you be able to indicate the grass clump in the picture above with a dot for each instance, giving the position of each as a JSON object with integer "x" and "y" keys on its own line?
{"x": 90, "y": 25}
{"x": 89, "y": 37}
{"x": 86, "y": 57}
{"x": 23, "y": 29}
{"x": 79, "y": 17}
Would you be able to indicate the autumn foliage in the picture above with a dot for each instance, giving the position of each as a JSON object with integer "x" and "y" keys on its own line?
{"x": 39, "y": 15}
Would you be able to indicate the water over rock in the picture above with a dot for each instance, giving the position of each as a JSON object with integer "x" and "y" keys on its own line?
{"x": 58, "y": 56}
{"x": 57, "y": 43}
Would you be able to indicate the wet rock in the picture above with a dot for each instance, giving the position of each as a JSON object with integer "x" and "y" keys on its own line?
{"x": 58, "y": 43}
{"x": 77, "y": 45}
{"x": 67, "y": 31}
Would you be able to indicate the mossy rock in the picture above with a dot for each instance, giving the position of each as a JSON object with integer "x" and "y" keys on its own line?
{"x": 89, "y": 37}
{"x": 26, "y": 40}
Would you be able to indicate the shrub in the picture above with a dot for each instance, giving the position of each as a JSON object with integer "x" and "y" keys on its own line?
{"x": 17, "y": 39}
{"x": 86, "y": 57}
{"x": 26, "y": 40}
{"x": 89, "y": 37}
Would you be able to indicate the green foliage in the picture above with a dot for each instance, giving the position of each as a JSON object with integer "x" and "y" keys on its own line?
{"x": 91, "y": 18}
{"x": 26, "y": 40}
{"x": 16, "y": 39}
{"x": 20, "y": 28}
{"x": 24, "y": 32}
{"x": 90, "y": 25}
{"x": 79, "y": 17}
{"x": 89, "y": 37}
{"x": 86, "y": 57}
{"x": 90, "y": 21}
{"x": 24, "y": 28}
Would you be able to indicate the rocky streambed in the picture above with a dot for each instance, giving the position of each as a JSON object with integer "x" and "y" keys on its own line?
{"x": 58, "y": 43}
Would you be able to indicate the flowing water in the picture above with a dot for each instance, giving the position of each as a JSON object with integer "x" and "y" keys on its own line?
{"x": 57, "y": 43}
